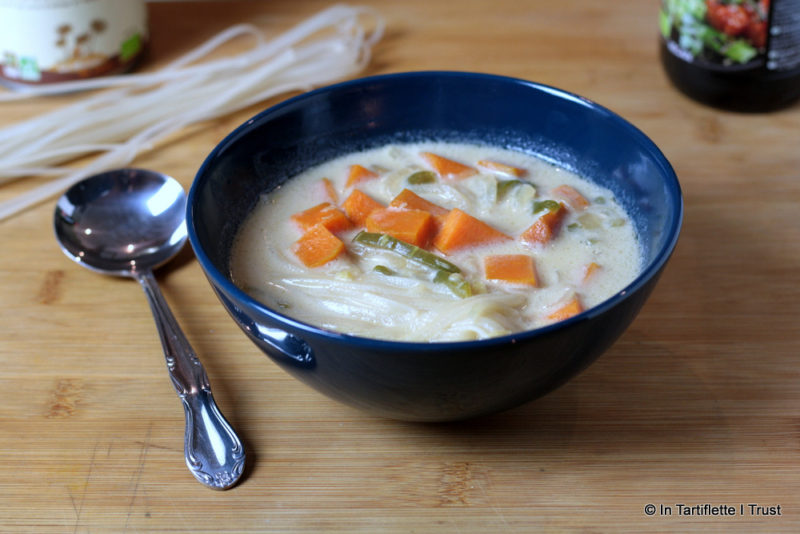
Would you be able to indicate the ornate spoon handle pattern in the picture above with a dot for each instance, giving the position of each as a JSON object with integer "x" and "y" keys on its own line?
{"x": 213, "y": 451}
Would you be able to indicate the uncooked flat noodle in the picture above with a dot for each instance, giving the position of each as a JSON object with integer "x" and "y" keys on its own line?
{"x": 144, "y": 109}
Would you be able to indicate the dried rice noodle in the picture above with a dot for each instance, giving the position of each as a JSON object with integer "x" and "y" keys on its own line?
{"x": 143, "y": 109}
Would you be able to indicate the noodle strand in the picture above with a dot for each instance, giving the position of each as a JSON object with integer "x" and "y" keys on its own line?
{"x": 143, "y": 109}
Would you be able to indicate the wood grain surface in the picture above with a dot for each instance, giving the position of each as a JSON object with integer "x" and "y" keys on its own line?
{"x": 698, "y": 403}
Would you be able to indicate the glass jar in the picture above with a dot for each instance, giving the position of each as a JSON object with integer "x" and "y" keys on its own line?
{"x": 740, "y": 55}
{"x": 51, "y": 41}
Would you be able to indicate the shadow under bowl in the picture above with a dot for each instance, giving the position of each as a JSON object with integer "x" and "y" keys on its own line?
{"x": 433, "y": 381}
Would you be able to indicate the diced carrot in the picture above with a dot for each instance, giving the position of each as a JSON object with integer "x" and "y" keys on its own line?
{"x": 571, "y": 307}
{"x": 512, "y": 268}
{"x": 325, "y": 214}
{"x": 412, "y": 226}
{"x": 447, "y": 168}
{"x": 576, "y": 201}
{"x": 545, "y": 227}
{"x": 358, "y": 205}
{"x": 409, "y": 200}
{"x": 358, "y": 174}
{"x": 590, "y": 270}
{"x": 502, "y": 168}
{"x": 330, "y": 191}
{"x": 462, "y": 230}
{"x": 317, "y": 246}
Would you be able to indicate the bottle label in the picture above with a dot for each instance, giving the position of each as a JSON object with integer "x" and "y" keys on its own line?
{"x": 733, "y": 34}
{"x": 45, "y": 41}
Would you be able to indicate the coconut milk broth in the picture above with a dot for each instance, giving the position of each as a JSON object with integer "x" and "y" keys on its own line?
{"x": 346, "y": 295}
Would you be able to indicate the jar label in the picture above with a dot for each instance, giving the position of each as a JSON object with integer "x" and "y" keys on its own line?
{"x": 733, "y": 34}
{"x": 45, "y": 41}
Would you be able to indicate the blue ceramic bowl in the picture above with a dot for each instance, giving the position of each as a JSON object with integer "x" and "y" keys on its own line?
{"x": 433, "y": 381}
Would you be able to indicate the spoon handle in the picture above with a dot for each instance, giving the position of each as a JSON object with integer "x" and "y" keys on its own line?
{"x": 213, "y": 451}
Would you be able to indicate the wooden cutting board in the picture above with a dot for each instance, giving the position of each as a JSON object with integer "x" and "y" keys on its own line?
{"x": 694, "y": 409}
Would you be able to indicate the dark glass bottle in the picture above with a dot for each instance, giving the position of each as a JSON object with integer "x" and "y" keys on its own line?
{"x": 741, "y": 55}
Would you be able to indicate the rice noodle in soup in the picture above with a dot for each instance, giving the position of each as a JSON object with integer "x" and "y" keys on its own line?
{"x": 435, "y": 242}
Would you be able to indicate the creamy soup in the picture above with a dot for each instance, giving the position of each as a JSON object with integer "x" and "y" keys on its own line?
{"x": 435, "y": 242}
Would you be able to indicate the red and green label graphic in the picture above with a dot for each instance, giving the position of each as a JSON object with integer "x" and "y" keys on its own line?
{"x": 733, "y": 34}
{"x": 722, "y": 32}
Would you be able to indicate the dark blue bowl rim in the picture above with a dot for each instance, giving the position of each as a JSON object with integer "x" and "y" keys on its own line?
{"x": 648, "y": 272}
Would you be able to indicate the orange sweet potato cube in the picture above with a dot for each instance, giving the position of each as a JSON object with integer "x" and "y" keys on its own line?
{"x": 412, "y": 226}
{"x": 462, "y": 230}
{"x": 575, "y": 200}
{"x": 317, "y": 247}
{"x": 329, "y": 191}
{"x": 545, "y": 228}
{"x": 572, "y": 307}
{"x": 325, "y": 214}
{"x": 409, "y": 200}
{"x": 447, "y": 168}
{"x": 358, "y": 206}
{"x": 511, "y": 268}
{"x": 502, "y": 168}
{"x": 358, "y": 174}
{"x": 590, "y": 270}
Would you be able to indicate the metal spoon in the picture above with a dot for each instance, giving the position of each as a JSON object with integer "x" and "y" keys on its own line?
{"x": 126, "y": 223}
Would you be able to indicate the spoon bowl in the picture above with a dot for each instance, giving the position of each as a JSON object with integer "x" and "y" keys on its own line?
{"x": 122, "y": 221}
{"x": 127, "y": 222}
